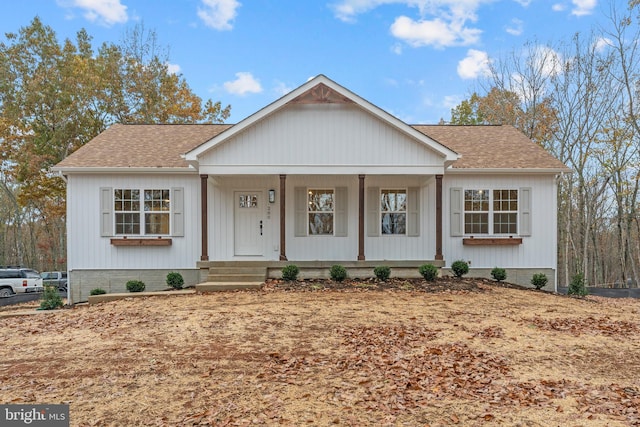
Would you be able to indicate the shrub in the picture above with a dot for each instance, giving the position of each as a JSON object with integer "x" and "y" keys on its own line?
{"x": 429, "y": 272}
{"x": 460, "y": 268}
{"x": 135, "y": 286}
{"x": 382, "y": 272}
{"x": 51, "y": 298}
{"x": 539, "y": 280}
{"x": 577, "y": 286}
{"x": 175, "y": 280}
{"x": 97, "y": 291}
{"x": 290, "y": 272}
{"x": 338, "y": 273}
{"x": 499, "y": 274}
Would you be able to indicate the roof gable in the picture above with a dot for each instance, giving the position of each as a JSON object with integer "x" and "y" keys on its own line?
{"x": 322, "y": 90}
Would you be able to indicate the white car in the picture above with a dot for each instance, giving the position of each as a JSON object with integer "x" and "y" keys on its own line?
{"x": 19, "y": 280}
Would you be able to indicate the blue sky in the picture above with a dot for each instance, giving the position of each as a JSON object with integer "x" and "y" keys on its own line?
{"x": 414, "y": 58}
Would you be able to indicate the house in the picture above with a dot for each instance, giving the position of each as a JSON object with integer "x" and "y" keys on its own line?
{"x": 319, "y": 177}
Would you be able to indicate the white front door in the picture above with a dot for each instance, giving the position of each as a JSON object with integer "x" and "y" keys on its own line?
{"x": 248, "y": 222}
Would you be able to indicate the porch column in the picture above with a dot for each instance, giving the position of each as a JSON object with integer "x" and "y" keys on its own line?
{"x": 203, "y": 217}
{"x": 283, "y": 222}
{"x": 439, "y": 217}
{"x": 361, "y": 218}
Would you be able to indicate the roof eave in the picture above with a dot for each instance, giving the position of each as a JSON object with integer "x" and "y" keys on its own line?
{"x": 99, "y": 170}
{"x": 528, "y": 171}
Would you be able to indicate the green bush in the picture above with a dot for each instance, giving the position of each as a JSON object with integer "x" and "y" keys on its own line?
{"x": 460, "y": 268}
{"x": 51, "y": 298}
{"x": 539, "y": 280}
{"x": 135, "y": 286}
{"x": 429, "y": 272}
{"x": 97, "y": 291}
{"x": 382, "y": 272}
{"x": 338, "y": 273}
{"x": 499, "y": 274}
{"x": 175, "y": 280}
{"x": 577, "y": 286}
{"x": 290, "y": 272}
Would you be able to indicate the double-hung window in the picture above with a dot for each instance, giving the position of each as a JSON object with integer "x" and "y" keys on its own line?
{"x": 321, "y": 209}
{"x": 142, "y": 211}
{"x": 393, "y": 211}
{"x": 490, "y": 211}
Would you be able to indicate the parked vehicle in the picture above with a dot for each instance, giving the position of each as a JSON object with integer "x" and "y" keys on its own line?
{"x": 55, "y": 278}
{"x": 19, "y": 280}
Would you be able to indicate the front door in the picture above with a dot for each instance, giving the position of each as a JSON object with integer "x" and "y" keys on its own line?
{"x": 248, "y": 223}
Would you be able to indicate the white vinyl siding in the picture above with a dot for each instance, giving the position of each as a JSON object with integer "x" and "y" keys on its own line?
{"x": 90, "y": 210}
{"x": 321, "y": 137}
{"x": 537, "y": 209}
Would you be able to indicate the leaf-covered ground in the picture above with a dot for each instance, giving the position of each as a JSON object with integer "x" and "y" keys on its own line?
{"x": 454, "y": 353}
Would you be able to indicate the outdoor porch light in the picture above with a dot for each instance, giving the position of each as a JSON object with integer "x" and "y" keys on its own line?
{"x": 272, "y": 196}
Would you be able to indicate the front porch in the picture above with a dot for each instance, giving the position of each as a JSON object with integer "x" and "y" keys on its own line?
{"x": 230, "y": 275}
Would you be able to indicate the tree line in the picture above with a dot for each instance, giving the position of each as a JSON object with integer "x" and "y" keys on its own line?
{"x": 55, "y": 97}
{"x": 579, "y": 99}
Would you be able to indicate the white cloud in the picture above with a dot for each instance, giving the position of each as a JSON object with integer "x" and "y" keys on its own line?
{"x": 397, "y": 48}
{"x": 173, "y": 68}
{"x": 441, "y": 23}
{"x": 281, "y": 88}
{"x": 548, "y": 61}
{"x": 475, "y": 64}
{"x": 218, "y": 14}
{"x": 523, "y": 3}
{"x": 437, "y": 33}
{"x": 106, "y": 12}
{"x": 451, "y": 101}
{"x": 244, "y": 84}
{"x": 583, "y": 7}
{"x": 602, "y": 44}
{"x": 516, "y": 27}
{"x": 558, "y": 7}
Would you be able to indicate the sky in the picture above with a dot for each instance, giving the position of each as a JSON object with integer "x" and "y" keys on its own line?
{"x": 416, "y": 59}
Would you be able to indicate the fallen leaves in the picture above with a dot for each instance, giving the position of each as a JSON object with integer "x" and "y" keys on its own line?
{"x": 334, "y": 355}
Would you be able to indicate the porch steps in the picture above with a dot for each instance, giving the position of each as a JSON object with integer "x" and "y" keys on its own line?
{"x": 227, "y": 286}
{"x": 228, "y": 278}
{"x": 237, "y": 274}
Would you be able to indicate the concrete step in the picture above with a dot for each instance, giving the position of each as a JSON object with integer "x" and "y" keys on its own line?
{"x": 240, "y": 277}
{"x": 227, "y": 286}
{"x": 237, "y": 270}
{"x": 237, "y": 274}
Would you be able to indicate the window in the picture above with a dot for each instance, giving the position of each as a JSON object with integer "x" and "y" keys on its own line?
{"x": 127, "y": 207}
{"x": 393, "y": 211}
{"x": 491, "y": 212}
{"x": 154, "y": 211}
{"x": 321, "y": 212}
{"x": 505, "y": 211}
{"x": 476, "y": 211}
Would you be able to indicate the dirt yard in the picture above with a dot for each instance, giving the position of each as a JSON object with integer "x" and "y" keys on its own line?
{"x": 456, "y": 353}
